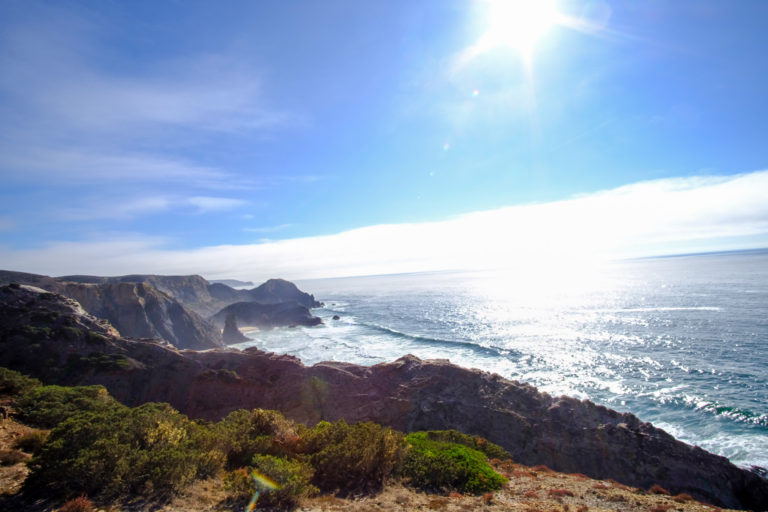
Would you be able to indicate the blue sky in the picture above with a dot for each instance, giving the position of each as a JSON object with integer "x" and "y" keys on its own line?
{"x": 309, "y": 139}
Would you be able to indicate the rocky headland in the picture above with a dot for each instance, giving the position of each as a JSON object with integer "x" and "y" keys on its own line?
{"x": 52, "y": 337}
{"x": 186, "y": 311}
{"x": 266, "y": 316}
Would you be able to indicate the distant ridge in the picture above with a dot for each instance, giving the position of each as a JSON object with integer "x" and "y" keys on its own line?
{"x": 234, "y": 283}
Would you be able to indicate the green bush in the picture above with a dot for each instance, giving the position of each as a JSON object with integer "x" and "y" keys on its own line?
{"x": 292, "y": 479}
{"x": 352, "y": 458}
{"x": 14, "y": 383}
{"x": 47, "y": 406}
{"x": 120, "y": 450}
{"x": 492, "y": 451}
{"x": 243, "y": 434}
{"x": 292, "y": 476}
{"x": 239, "y": 485}
{"x": 441, "y": 465}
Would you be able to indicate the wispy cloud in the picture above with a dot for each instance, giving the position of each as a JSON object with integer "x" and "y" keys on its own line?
{"x": 641, "y": 219}
{"x": 70, "y": 114}
{"x": 206, "y": 204}
{"x": 128, "y": 208}
{"x": 267, "y": 229}
{"x": 105, "y": 166}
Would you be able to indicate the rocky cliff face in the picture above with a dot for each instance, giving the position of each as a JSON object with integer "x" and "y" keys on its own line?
{"x": 279, "y": 290}
{"x": 205, "y": 298}
{"x": 138, "y": 310}
{"x": 566, "y": 434}
{"x": 231, "y": 334}
{"x": 135, "y": 308}
{"x": 178, "y": 308}
{"x": 266, "y": 316}
{"x": 190, "y": 291}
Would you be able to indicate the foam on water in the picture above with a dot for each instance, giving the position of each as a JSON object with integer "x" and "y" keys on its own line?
{"x": 681, "y": 342}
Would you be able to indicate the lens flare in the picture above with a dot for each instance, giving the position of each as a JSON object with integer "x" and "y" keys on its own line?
{"x": 263, "y": 484}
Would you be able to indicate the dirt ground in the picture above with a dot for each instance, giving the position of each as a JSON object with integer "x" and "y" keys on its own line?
{"x": 528, "y": 490}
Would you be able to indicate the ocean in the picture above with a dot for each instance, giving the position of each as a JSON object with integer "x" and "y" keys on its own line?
{"x": 681, "y": 342}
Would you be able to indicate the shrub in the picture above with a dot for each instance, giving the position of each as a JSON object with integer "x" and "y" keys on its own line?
{"x": 352, "y": 458}
{"x": 47, "y": 406}
{"x": 243, "y": 433}
{"x": 15, "y": 383}
{"x": 657, "y": 489}
{"x": 492, "y": 451}
{"x": 292, "y": 477}
{"x": 79, "y": 504}
{"x": 120, "y": 450}
{"x": 238, "y": 484}
{"x": 31, "y": 441}
{"x": 439, "y": 465}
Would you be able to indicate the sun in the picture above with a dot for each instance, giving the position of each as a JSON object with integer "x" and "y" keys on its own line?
{"x": 518, "y": 24}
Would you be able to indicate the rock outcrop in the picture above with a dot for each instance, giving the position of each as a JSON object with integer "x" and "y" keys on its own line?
{"x": 409, "y": 394}
{"x": 232, "y": 283}
{"x": 136, "y": 308}
{"x": 267, "y": 316}
{"x": 205, "y": 298}
{"x": 231, "y": 334}
{"x": 141, "y": 311}
{"x": 179, "y": 308}
{"x": 275, "y": 291}
{"x": 191, "y": 291}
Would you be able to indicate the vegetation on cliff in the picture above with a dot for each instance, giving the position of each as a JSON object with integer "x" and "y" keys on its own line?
{"x": 103, "y": 449}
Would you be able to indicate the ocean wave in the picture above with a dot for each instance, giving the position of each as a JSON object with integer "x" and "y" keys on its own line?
{"x": 719, "y": 410}
{"x": 652, "y": 309}
{"x": 487, "y": 350}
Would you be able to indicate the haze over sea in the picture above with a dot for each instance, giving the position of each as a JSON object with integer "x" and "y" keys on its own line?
{"x": 681, "y": 342}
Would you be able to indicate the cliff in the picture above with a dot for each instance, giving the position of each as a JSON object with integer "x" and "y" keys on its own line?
{"x": 231, "y": 334}
{"x": 408, "y": 394}
{"x": 205, "y": 298}
{"x": 138, "y": 310}
{"x": 135, "y": 308}
{"x": 266, "y": 316}
{"x": 187, "y": 311}
{"x": 279, "y": 290}
{"x": 190, "y": 291}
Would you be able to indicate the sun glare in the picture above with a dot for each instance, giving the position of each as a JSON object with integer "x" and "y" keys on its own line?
{"x": 518, "y": 24}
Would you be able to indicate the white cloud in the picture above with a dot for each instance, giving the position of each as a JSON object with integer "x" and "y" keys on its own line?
{"x": 267, "y": 229}
{"x": 82, "y": 165}
{"x": 127, "y": 208}
{"x": 116, "y": 209}
{"x": 635, "y": 220}
{"x": 206, "y": 204}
